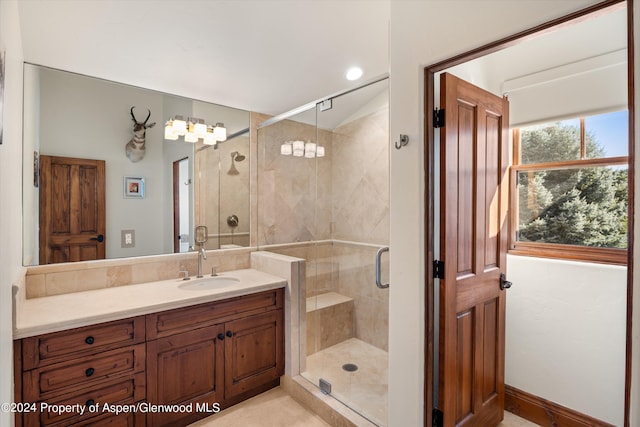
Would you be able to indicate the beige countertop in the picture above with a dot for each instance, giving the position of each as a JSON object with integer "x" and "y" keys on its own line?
{"x": 60, "y": 312}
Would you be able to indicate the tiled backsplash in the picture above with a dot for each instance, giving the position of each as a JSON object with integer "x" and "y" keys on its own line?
{"x": 55, "y": 279}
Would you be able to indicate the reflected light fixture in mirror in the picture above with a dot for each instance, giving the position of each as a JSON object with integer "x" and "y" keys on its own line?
{"x": 194, "y": 129}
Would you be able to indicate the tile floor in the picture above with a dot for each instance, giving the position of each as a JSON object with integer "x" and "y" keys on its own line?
{"x": 364, "y": 390}
{"x": 274, "y": 408}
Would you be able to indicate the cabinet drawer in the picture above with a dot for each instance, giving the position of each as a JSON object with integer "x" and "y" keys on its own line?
{"x": 82, "y": 373}
{"x": 122, "y": 391}
{"x": 51, "y": 348}
{"x": 186, "y": 319}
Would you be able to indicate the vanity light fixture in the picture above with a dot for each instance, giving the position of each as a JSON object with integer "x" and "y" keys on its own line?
{"x": 193, "y": 130}
{"x": 302, "y": 149}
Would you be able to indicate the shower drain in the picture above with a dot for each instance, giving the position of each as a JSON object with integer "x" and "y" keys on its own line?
{"x": 350, "y": 367}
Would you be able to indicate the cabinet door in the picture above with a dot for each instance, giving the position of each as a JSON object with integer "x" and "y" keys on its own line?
{"x": 254, "y": 352}
{"x": 185, "y": 369}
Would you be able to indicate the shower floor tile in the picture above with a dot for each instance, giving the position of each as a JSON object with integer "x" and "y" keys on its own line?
{"x": 364, "y": 390}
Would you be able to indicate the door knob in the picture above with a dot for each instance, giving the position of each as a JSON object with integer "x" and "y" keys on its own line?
{"x": 504, "y": 283}
{"x": 100, "y": 238}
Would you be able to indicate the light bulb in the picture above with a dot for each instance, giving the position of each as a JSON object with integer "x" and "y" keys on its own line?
{"x": 310, "y": 149}
{"x": 298, "y": 148}
{"x": 286, "y": 149}
{"x": 200, "y": 128}
{"x": 179, "y": 126}
{"x": 220, "y": 132}
{"x": 169, "y": 133}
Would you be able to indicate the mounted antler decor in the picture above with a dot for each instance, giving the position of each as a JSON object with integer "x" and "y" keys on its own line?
{"x": 135, "y": 148}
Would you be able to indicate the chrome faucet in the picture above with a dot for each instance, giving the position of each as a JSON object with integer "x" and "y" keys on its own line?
{"x": 201, "y": 254}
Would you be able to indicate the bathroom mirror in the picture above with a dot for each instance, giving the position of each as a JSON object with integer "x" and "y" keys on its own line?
{"x": 152, "y": 206}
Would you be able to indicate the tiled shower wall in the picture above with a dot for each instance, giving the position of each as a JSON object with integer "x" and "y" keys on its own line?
{"x": 334, "y": 214}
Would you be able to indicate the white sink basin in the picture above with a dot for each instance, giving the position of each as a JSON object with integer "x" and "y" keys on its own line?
{"x": 209, "y": 283}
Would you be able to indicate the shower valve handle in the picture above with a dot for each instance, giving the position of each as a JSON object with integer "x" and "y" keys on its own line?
{"x": 233, "y": 221}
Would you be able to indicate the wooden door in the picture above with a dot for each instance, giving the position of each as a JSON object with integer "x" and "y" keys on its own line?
{"x": 254, "y": 352}
{"x": 185, "y": 369}
{"x": 72, "y": 209}
{"x": 473, "y": 242}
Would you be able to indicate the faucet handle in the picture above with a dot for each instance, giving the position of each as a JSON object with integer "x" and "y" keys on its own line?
{"x": 213, "y": 271}
{"x": 185, "y": 274}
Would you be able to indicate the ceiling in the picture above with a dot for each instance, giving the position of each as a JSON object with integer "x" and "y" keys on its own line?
{"x": 267, "y": 56}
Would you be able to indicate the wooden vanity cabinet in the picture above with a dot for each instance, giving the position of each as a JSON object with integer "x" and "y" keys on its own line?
{"x": 213, "y": 354}
{"x": 83, "y": 366}
{"x": 201, "y": 358}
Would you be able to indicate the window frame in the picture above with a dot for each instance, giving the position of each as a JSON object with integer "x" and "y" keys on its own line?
{"x": 616, "y": 256}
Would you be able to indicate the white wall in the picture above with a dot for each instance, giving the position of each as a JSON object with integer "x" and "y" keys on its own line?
{"x": 423, "y": 33}
{"x": 566, "y": 332}
{"x": 10, "y": 193}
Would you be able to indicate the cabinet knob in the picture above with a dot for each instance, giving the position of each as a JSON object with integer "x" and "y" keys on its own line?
{"x": 90, "y": 402}
{"x": 89, "y": 340}
{"x": 221, "y": 337}
{"x": 229, "y": 334}
{"x": 89, "y": 372}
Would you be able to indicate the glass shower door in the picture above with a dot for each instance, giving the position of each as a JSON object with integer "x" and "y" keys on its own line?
{"x": 323, "y": 195}
{"x": 348, "y": 316}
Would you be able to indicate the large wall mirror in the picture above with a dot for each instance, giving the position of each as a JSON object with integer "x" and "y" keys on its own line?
{"x": 152, "y": 206}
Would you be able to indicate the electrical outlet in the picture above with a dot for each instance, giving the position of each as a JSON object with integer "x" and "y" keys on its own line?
{"x": 128, "y": 238}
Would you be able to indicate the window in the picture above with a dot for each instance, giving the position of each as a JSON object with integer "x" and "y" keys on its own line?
{"x": 569, "y": 189}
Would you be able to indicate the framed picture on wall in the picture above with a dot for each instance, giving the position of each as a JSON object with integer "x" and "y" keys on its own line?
{"x": 133, "y": 187}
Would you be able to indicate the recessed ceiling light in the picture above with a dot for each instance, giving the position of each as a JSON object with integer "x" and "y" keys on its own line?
{"x": 354, "y": 73}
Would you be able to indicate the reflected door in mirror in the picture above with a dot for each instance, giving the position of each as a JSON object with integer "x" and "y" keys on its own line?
{"x": 72, "y": 209}
{"x": 181, "y": 204}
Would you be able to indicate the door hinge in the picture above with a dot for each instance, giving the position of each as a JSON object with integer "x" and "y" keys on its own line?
{"x": 438, "y": 269}
{"x": 438, "y": 118}
{"x": 437, "y": 418}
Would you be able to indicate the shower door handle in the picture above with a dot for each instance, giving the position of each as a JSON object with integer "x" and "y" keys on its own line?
{"x": 378, "y": 258}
